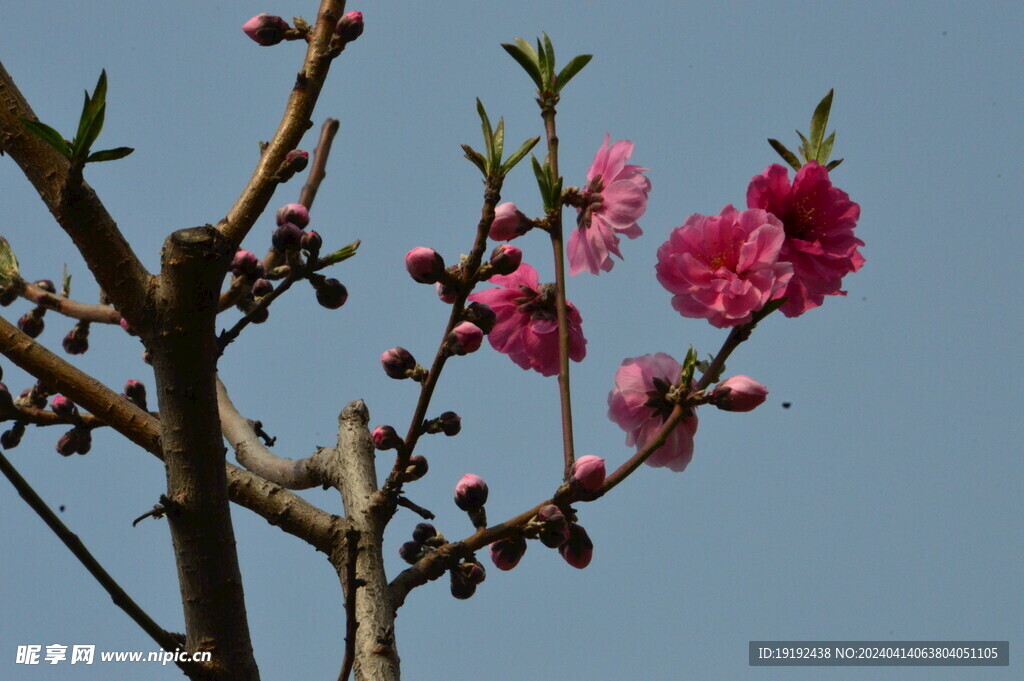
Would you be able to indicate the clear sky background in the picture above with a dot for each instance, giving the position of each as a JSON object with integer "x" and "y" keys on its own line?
{"x": 884, "y": 504}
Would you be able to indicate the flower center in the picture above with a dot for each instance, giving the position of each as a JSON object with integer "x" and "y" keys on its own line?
{"x": 802, "y": 221}
{"x": 538, "y": 304}
{"x": 657, "y": 399}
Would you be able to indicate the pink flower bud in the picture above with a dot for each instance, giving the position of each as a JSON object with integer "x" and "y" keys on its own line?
{"x": 445, "y": 293}
{"x": 67, "y": 444}
{"x": 385, "y": 437}
{"x": 397, "y": 363}
{"x": 424, "y": 265}
{"x": 332, "y": 294}
{"x": 588, "y": 472}
{"x": 62, "y": 406}
{"x": 350, "y": 26}
{"x": 506, "y": 553}
{"x": 295, "y": 161}
{"x": 136, "y": 392}
{"x": 410, "y": 551}
{"x": 127, "y": 327}
{"x": 423, "y": 532}
{"x": 245, "y": 264}
{"x": 509, "y": 223}
{"x": 295, "y": 213}
{"x": 286, "y": 237}
{"x": 505, "y": 259}
{"x": 739, "y": 393}
{"x": 578, "y": 550}
{"x": 311, "y": 242}
{"x": 465, "y": 338}
{"x": 470, "y": 493}
{"x": 266, "y": 29}
{"x": 262, "y": 287}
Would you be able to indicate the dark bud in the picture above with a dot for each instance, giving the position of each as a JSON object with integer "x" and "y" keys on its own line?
{"x": 12, "y": 438}
{"x": 450, "y": 423}
{"x": 578, "y": 550}
{"x": 63, "y": 407}
{"x": 6, "y": 401}
{"x": 245, "y": 264}
{"x": 423, "y": 532}
{"x": 410, "y": 551}
{"x": 67, "y": 444}
{"x": 311, "y": 242}
{"x": 474, "y": 572}
{"x": 77, "y": 340}
{"x": 136, "y": 392}
{"x": 555, "y": 531}
{"x": 31, "y": 324}
{"x": 85, "y": 441}
{"x": 481, "y": 315}
{"x": 350, "y": 26}
{"x": 506, "y": 553}
{"x": 385, "y": 437}
{"x": 260, "y": 315}
{"x": 462, "y": 588}
{"x": 261, "y": 287}
{"x": 505, "y": 259}
{"x": 295, "y": 213}
{"x": 46, "y": 285}
{"x": 332, "y": 294}
{"x": 397, "y": 362}
{"x": 9, "y": 294}
{"x": 417, "y": 467}
{"x": 470, "y": 493}
{"x": 286, "y": 237}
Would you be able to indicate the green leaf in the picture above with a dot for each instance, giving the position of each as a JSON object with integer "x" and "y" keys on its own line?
{"x": 689, "y": 366}
{"x": 518, "y": 156}
{"x": 109, "y": 154}
{"x": 528, "y": 63}
{"x": 65, "y": 289}
{"x": 818, "y": 123}
{"x": 543, "y": 183}
{"x": 556, "y": 194}
{"x": 83, "y": 122}
{"x": 485, "y": 124}
{"x": 343, "y": 253}
{"x": 825, "y": 150}
{"x": 549, "y": 54}
{"x": 477, "y": 159}
{"x": 787, "y": 155}
{"x": 84, "y": 144}
{"x": 805, "y": 149}
{"x": 499, "y": 143}
{"x": 833, "y": 164}
{"x": 527, "y": 48}
{"x": 48, "y": 135}
{"x": 545, "y": 68}
{"x": 574, "y": 66}
{"x": 8, "y": 262}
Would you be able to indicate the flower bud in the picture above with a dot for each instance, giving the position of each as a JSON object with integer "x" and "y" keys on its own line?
{"x": 286, "y": 237}
{"x": 465, "y": 338}
{"x": 588, "y": 472}
{"x": 31, "y": 324}
{"x": 423, "y": 532}
{"x": 445, "y": 293}
{"x": 470, "y": 493}
{"x": 410, "y": 551}
{"x": 295, "y": 161}
{"x": 295, "y": 213}
{"x": 424, "y": 265}
{"x": 506, "y": 553}
{"x": 63, "y": 407}
{"x": 266, "y": 29}
{"x": 12, "y": 438}
{"x": 6, "y": 401}
{"x": 509, "y": 223}
{"x": 262, "y": 287}
{"x": 332, "y": 294}
{"x": 136, "y": 392}
{"x": 258, "y": 317}
{"x": 450, "y": 423}
{"x": 9, "y": 293}
{"x": 349, "y": 26}
{"x": 461, "y": 587}
{"x": 397, "y": 363}
{"x": 505, "y": 259}
{"x": 385, "y": 437}
{"x": 67, "y": 444}
{"x": 245, "y": 264}
{"x": 84, "y": 441}
{"x": 482, "y": 315}
{"x": 46, "y": 285}
{"x": 126, "y": 327}
{"x": 578, "y": 550}
{"x": 473, "y": 572}
{"x": 417, "y": 467}
{"x": 311, "y": 242}
{"x": 556, "y": 530}
{"x": 77, "y": 340}
{"x": 739, "y": 393}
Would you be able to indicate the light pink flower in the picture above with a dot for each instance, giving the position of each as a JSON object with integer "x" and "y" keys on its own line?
{"x": 616, "y": 196}
{"x": 819, "y": 221}
{"x": 724, "y": 267}
{"x": 638, "y": 404}
{"x": 526, "y": 327}
{"x": 588, "y": 471}
{"x": 739, "y": 393}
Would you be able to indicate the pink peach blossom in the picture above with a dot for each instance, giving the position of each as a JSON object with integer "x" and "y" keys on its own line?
{"x": 616, "y": 197}
{"x": 637, "y": 404}
{"x": 509, "y": 223}
{"x": 724, "y": 267}
{"x": 526, "y": 327}
{"x": 819, "y": 220}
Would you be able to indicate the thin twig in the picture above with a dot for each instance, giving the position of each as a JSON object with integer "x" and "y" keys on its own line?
{"x": 405, "y": 502}
{"x": 318, "y": 169}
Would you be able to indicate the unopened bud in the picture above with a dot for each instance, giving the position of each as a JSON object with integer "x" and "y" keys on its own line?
{"x": 126, "y": 327}
{"x": 311, "y": 242}
{"x": 46, "y": 285}
{"x": 410, "y": 551}
{"x": 295, "y": 161}
{"x": 505, "y": 259}
{"x": 6, "y": 401}
{"x": 136, "y": 392}
{"x": 266, "y": 29}
{"x": 12, "y": 438}
{"x": 262, "y": 287}
{"x": 31, "y": 324}
{"x": 588, "y": 472}
{"x": 332, "y": 294}
{"x": 506, "y": 553}
{"x": 465, "y": 338}
{"x": 739, "y": 393}
{"x": 286, "y": 237}
{"x": 461, "y": 587}
{"x": 473, "y": 572}
{"x": 385, "y": 437}
{"x": 398, "y": 362}
{"x": 63, "y": 407}
{"x": 450, "y": 423}
{"x": 482, "y": 315}
{"x": 424, "y": 265}
{"x": 555, "y": 531}
{"x": 350, "y": 26}
{"x": 445, "y": 293}
{"x": 509, "y": 223}
{"x": 67, "y": 444}
{"x": 423, "y": 532}
{"x": 77, "y": 340}
{"x": 245, "y": 264}
{"x": 10, "y": 293}
{"x": 417, "y": 467}
{"x": 295, "y": 213}
{"x": 470, "y": 493}
{"x": 578, "y": 550}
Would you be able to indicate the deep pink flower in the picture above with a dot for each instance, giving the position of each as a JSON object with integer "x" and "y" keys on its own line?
{"x": 509, "y": 223}
{"x": 616, "y": 195}
{"x": 739, "y": 393}
{"x": 819, "y": 221}
{"x": 724, "y": 267}
{"x": 527, "y": 328}
{"x": 637, "y": 403}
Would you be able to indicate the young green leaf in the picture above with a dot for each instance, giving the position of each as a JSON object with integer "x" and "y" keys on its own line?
{"x": 825, "y": 150}
{"x": 805, "y": 148}
{"x": 343, "y": 253}
{"x": 543, "y": 183}
{"x": 519, "y": 154}
{"x": 109, "y": 154}
{"x": 833, "y": 164}
{"x": 499, "y": 143}
{"x": 48, "y": 135}
{"x": 574, "y": 66}
{"x": 528, "y": 63}
{"x": 477, "y": 159}
{"x": 84, "y": 144}
{"x": 787, "y": 155}
{"x": 689, "y": 366}
{"x": 485, "y": 124}
{"x": 83, "y": 122}
{"x": 818, "y": 123}
{"x": 8, "y": 262}
{"x": 545, "y": 67}
{"x": 549, "y": 53}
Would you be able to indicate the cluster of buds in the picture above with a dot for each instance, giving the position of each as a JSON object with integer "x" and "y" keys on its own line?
{"x": 34, "y": 397}
{"x": 77, "y": 340}
{"x": 465, "y": 577}
{"x": 555, "y": 530}
{"x": 78, "y": 440}
{"x": 471, "y": 495}
{"x": 247, "y": 266}
{"x": 425, "y": 537}
{"x": 739, "y": 393}
{"x": 398, "y": 363}
{"x": 448, "y": 423}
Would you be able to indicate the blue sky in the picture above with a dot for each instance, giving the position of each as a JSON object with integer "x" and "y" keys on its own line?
{"x": 884, "y": 504}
